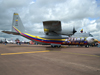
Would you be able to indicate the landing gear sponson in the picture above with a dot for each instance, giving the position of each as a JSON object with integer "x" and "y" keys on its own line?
{"x": 55, "y": 45}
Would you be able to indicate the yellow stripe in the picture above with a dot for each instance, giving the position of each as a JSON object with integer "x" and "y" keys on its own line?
{"x": 47, "y": 51}
{"x": 24, "y": 52}
{"x": 44, "y": 38}
{"x": 17, "y": 29}
{"x": 40, "y": 37}
{"x": 16, "y": 20}
{"x": 15, "y": 13}
{"x": 30, "y": 35}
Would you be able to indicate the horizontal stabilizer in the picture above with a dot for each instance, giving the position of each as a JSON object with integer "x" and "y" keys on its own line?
{"x": 9, "y": 32}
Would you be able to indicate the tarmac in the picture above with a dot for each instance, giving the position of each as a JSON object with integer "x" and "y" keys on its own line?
{"x": 43, "y": 60}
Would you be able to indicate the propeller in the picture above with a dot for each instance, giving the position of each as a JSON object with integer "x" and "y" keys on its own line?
{"x": 74, "y": 31}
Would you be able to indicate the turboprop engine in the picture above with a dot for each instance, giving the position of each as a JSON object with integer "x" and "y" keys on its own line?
{"x": 54, "y": 27}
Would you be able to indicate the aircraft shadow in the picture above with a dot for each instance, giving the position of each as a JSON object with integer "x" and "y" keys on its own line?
{"x": 97, "y": 54}
{"x": 53, "y": 49}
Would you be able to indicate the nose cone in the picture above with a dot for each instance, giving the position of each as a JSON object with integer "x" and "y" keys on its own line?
{"x": 90, "y": 40}
{"x": 95, "y": 40}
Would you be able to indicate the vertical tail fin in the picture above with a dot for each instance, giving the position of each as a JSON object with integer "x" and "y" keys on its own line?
{"x": 17, "y": 23}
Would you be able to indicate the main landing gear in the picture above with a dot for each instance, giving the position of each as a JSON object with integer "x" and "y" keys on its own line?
{"x": 55, "y": 45}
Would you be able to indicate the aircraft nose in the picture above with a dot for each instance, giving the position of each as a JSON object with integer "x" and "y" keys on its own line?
{"x": 90, "y": 40}
{"x": 95, "y": 40}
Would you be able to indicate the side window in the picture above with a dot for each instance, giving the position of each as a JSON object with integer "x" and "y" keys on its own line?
{"x": 78, "y": 39}
{"x": 82, "y": 39}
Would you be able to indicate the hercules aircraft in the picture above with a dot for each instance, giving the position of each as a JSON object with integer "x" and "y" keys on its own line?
{"x": 55, "y": 35}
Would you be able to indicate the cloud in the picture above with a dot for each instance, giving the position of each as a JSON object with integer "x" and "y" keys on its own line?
{"x": 14, "y": 4}
{"x": 98, "y": 24}
{"x": 64, "y": 10}
{"x": 70, "y": 12}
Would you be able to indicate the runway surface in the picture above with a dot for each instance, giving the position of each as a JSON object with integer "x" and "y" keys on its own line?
{"x": 44, "y": 60}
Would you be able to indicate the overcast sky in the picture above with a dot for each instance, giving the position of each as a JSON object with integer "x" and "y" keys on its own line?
{"x": 83, "y": 14}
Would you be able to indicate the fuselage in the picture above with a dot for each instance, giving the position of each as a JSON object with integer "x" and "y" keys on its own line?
{"x": 73, "y": 40}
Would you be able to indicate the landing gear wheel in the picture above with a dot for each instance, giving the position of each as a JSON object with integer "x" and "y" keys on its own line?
{"x": 52, "y": 46}
{"x": 58, "y": 46}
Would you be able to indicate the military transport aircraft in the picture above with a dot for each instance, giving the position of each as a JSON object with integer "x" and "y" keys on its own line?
{"x": 55, "y": 34}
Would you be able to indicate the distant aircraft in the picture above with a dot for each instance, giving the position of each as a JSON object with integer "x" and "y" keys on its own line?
{"x": 10, "y": 41}
{"x": 55, "y": 35}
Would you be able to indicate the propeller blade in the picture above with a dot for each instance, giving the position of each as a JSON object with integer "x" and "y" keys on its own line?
{"x": 74, "y": 31}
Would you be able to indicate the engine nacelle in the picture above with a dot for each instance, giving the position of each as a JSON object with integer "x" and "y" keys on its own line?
{"x": 67, "y": 31}
{"x": 55, "y": 27}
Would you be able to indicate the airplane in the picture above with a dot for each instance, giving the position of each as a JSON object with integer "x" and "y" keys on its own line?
{"x": 10, "y": 41}
{"x": 55, "y": 35}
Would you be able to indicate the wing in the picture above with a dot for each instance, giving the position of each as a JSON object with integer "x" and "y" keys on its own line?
{"x": 51, "y": 27}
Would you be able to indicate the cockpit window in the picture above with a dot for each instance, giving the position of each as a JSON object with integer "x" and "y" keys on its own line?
{"x": 91, "y": 35}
